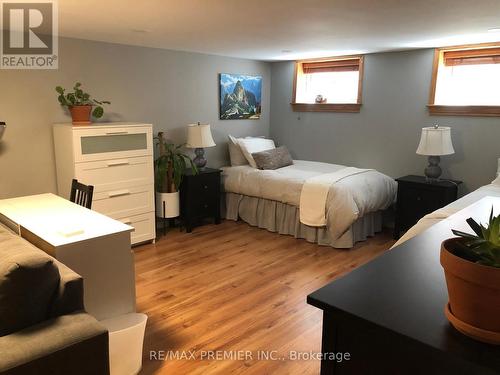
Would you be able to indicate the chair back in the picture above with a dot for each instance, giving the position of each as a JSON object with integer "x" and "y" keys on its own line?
{"x": 81, "y": 194}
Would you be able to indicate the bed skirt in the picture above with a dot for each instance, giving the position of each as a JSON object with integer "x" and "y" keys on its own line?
{"x": 284, "y": 219}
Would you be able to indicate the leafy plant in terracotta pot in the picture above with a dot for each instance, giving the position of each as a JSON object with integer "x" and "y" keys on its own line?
{"x": 80, "y": 104}
{"x": 472, "y": 269}
{"x": 169, "y": 168}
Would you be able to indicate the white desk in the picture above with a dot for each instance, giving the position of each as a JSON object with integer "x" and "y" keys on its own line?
{"x": 93, "y": 245}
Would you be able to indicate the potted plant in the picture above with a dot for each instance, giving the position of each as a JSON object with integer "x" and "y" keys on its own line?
{"x": 169, "y": 169}
{"x": 80, "y": 104}
{"x": 471, "y": 264}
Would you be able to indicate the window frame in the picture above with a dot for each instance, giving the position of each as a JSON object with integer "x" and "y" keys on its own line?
{"x": 328, "y": 107}
{"x": 457, "y": 110}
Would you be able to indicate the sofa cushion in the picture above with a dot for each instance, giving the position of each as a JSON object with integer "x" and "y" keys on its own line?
{"x": 29, "y": 280}
{"x": 70, "y": 345}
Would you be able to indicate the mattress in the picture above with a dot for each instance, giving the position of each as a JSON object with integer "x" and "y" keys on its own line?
{"x": 348, "y": 199}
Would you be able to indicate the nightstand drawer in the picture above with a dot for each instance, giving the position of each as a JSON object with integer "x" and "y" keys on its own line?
{"x": 201, "y": 208}
{"x": 204, "y": 185}
{"x": 419, "y": 201}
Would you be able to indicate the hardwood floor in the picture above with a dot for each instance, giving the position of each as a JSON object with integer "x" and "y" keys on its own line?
{"x": 237, "y": 288}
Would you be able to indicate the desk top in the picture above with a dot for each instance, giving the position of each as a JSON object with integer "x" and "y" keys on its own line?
{"x": 405, "y": 291}
{"x": 58, "y": 221}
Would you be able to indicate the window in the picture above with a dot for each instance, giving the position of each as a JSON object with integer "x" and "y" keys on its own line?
{"x": 466, "y": 81}
{"x": 332, "y": 84}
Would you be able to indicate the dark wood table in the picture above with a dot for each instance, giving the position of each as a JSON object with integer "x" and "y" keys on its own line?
{"x": 389, "y": 314}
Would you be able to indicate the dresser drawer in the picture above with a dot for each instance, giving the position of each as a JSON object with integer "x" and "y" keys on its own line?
{"x": 124, "y": 202}
{"x": 112, "y": 143}
{"x": 115, "y": 174}
{"x": 144, "y": 227}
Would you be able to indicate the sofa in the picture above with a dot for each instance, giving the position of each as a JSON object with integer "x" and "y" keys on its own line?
{"x": 43, "y": 326}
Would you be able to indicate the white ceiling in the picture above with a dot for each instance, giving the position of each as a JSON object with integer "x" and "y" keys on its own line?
{"x": 268, "y": 30}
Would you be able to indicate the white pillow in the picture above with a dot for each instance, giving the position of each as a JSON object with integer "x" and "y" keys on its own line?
{"x": 250, "y": 145}
{"x": 235, "y": 155}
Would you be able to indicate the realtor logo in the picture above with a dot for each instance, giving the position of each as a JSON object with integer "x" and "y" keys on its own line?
{"x": 29, "y": 34}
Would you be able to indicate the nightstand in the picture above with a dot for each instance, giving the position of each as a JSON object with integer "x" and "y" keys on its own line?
{"x": 200, "y": 196}
{"x": 417, "y": 198}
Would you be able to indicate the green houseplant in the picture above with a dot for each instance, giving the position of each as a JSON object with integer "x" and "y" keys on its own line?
{"x": 169, "y": 168}
{"x": 471, "y": 264}
{"x": 80, "y": 104}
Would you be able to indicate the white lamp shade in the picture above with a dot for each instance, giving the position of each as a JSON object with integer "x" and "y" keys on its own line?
{"x": 435, "y": 141}
{"x": 199, "y": 136}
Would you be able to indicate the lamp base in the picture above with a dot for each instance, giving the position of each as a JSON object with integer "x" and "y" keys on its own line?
{"x": 200, "y": 161}
{"x": 433, "y": 170}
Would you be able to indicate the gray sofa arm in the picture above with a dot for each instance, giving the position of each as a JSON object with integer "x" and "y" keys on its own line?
{"x": 69, "y": 296}
{"x": 70, "y": 344}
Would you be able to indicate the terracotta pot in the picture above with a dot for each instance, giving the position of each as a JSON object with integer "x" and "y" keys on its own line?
{"x": 81, "y": 114}
{"x": 473, "y": 290}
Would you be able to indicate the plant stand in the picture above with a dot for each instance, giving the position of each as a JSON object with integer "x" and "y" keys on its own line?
{"x": 167, "y": 208}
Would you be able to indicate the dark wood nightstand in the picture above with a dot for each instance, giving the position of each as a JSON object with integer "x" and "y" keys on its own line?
{"x": 417, "y": 198}
{"x": 200, "y": 196}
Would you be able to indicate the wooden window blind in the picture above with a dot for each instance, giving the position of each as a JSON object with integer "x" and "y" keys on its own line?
{"x": 347, "y": 65}
{"x": 472, "y": 57}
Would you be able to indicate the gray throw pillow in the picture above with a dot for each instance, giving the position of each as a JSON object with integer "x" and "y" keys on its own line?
{"x": 273, "y": 159}
{"x": 28, "y": 282}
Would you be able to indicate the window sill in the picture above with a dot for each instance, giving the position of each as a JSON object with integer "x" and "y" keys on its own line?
{"x": 326, "y": 107}
{"x": 464, "y": 110}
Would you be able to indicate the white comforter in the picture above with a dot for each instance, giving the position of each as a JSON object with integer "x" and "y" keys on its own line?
{"x": 438, "y": 215}
{"x": 348, "y": 199}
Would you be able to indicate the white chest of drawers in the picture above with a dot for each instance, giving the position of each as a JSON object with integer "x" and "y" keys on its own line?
{"x": 117, "y": 159}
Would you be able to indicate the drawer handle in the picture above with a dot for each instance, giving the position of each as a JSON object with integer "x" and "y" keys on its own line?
{"x": 117, "y": 162}
{"x": 118, "y": 193}
{"x": 116, "y": 133}
{"x": 127, "y": 221}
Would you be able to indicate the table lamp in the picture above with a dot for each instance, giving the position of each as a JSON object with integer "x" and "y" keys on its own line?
{"x": 199, "y": 136}
{"x": 434, "y": 142}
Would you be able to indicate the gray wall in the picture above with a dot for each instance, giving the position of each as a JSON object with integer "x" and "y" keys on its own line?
{"x": 169, "y": 89}
{"x": 385, "y": 134}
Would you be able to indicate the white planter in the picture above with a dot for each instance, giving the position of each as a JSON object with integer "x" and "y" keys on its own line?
{"x": 171, "y": 203}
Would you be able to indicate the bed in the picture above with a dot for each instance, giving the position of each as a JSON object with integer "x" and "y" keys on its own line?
{"x": 435, "y": 217}
{"x": 271, "y": 199}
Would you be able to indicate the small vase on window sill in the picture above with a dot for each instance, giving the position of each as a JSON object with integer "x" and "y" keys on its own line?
{"x": 320, "y": 99}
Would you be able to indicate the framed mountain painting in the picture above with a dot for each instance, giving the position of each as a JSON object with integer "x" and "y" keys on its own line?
{"x": 240, "y": 96}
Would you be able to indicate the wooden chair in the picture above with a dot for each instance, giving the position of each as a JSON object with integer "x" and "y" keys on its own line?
{"x": 81, "y": 194}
